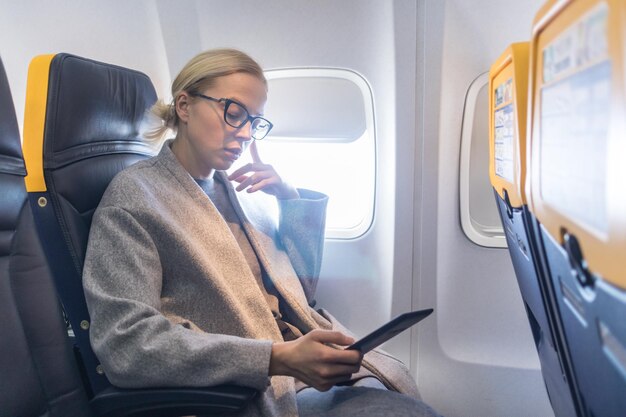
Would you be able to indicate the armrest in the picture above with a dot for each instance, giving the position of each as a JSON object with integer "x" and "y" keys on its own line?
{"x": 170, "y": 402}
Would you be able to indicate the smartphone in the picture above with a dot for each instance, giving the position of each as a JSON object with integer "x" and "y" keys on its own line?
{"x": 389, "y": 330}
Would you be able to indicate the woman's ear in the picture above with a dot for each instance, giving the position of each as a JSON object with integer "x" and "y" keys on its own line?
{"x": 182, "y": 106}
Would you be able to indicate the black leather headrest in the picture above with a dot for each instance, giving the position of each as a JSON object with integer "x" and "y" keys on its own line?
{"x": 93, "y": 118}
{"x": 93, "y": 109}
{"x": 11, "y": 161}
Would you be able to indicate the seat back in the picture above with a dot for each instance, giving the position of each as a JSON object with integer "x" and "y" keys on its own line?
{"x": 508, "y": 87}
{"x": 577, "y": 187}
{"x": 81, "y": 127}
{"x": 39, "y": 374}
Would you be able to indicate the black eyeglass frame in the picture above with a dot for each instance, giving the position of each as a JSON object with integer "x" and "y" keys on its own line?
{"x": 227, "y": 102}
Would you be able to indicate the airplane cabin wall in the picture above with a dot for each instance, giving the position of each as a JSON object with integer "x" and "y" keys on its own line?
{"x": 477, "y": 357}
{"x": 118, "y": 32}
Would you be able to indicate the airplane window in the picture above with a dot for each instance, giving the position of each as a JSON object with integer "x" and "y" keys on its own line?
{"x": 323, "y": 139}
{"x": 479, "y": 214}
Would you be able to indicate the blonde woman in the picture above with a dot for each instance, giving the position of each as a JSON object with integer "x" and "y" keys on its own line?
{"x": 190, "y": 283}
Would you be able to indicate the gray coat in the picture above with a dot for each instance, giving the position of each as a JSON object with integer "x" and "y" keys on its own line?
{"x": 173, "y": 301}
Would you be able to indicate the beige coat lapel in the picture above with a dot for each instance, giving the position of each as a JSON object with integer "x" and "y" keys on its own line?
{"x": 262, "y": 230}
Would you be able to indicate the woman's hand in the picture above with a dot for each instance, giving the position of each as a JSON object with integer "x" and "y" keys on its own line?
{"x": 311, "y": 360}
{"x": 259, "y": 176}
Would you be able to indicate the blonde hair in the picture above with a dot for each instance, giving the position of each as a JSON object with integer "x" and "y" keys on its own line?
{"x": 199, "y": 74}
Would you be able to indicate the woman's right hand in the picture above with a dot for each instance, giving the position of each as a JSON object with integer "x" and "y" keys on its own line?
{"x": 311, "y": 360}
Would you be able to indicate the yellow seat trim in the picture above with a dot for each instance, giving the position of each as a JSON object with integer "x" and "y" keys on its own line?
{"x": 34, "y": 121}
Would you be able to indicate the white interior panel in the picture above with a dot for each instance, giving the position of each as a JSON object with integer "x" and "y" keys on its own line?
{"x": 480, "y": 346}
{"x": 125, "y": 33}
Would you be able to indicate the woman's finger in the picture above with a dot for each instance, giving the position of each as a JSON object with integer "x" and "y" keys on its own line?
{"x": 254, "y": 152}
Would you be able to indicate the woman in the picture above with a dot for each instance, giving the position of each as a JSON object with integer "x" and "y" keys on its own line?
{"x": 190, "y": 283}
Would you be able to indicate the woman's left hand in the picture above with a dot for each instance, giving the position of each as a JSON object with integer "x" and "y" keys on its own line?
{"x": 259, "y": 176}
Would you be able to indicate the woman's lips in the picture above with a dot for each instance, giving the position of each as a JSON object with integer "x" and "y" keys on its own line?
{"x": 233, "y": 153}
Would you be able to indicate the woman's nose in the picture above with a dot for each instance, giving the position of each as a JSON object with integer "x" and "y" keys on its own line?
{"x": 245, "y": 132}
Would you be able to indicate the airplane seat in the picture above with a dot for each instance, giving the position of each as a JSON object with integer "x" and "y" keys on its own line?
{"x": 508, "y": 84}
{"x": 576, "y": 188}
{"x": 39, "y": 373}
{"x": 81, "y": 127}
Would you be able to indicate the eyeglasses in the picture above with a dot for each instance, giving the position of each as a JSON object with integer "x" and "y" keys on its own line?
{"x": 236, "y": 115}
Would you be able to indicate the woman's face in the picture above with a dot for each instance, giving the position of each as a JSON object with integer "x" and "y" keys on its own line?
{"x": 206, "y": 141}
